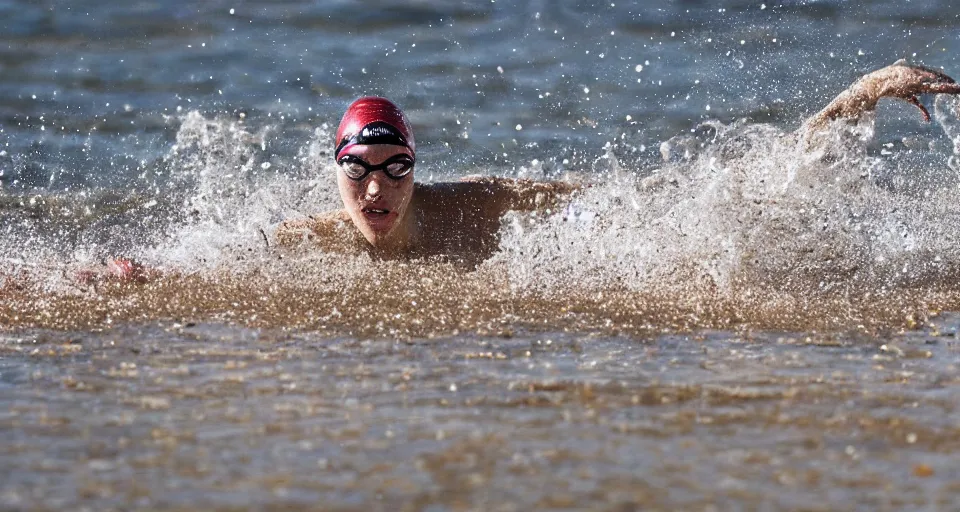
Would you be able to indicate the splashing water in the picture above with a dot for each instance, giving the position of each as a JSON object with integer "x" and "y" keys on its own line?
{"x": 752, "y": 208}
{"x": 753, "y": 320}
{"x": 739, "y": 217}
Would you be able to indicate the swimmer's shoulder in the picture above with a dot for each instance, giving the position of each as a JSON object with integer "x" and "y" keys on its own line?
{"x": 322, "y": 227}
{"x": 500, "y": 194}
{"x": 472, "y": 193}
{"x": 474, "y": 186}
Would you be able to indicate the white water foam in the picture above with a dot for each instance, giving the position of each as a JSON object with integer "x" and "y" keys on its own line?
{"x": 750, "y": 206}
{"x": 237, "y": 190}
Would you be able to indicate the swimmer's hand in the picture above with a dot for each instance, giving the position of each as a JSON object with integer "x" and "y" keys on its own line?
{"x": 898, "y": 80}
{"x": 121, "y": 270}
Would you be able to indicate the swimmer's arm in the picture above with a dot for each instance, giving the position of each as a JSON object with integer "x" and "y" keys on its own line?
{"x": 524, "y": 194}
{"x": 899, "y": 80}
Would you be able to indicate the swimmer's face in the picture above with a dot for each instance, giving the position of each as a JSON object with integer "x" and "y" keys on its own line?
{"x": 377, "y": 203}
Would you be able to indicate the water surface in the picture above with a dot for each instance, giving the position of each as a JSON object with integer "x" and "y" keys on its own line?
{"x": 723, "y": 318}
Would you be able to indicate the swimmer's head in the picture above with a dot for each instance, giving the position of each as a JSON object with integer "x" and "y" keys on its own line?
{"x": 375, "y": 152}
{"x": 373, "y": 120}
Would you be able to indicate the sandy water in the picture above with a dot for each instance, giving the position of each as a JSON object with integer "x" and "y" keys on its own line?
{"x": 206, "y": 416}
{"x": 724, "y": 318}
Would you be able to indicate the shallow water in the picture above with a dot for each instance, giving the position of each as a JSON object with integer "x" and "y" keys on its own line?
{"x": 214, "y": 416}
{"x": 724, "y": 317}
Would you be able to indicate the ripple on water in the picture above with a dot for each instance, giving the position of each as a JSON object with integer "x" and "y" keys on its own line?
{"x": 204, "y": 413}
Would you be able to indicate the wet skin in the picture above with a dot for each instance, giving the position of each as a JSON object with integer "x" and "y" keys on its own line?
{"x": 459, "y": 221}
{"x": 899, "y": 80}
{"x": 378, "y": 204}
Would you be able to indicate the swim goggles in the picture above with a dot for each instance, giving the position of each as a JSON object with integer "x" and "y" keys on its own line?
{"x": 395, "y": 167}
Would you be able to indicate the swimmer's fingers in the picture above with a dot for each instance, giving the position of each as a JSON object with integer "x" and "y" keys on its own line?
{"x": 907, "y": 82}
{"x": 924, "y": 80}
{"x": 928, "y": 81}
{"x": 118, "y": 269}
{"x": 124, "y": 269}
{"x": 900, "y": 80}
{"x": 129, "y": 271}
{"x": 923, "y": 110}
{"x": 943, "y": 88}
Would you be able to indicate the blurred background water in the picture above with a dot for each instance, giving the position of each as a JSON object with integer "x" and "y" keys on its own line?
{"x": 92, "y": 92}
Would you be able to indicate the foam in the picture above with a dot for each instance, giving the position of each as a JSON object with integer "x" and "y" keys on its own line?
{"x": 747, "y": 206}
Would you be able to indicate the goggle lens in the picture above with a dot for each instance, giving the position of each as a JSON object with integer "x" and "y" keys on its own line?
{"x": 395, "y": 167}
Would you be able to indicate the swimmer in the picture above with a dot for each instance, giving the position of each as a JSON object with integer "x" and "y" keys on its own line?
{"x": 389, "y": 215}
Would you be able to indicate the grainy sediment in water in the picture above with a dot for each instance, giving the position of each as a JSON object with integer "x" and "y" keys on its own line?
{"x": 186, "y": 416}
{"x": 407, "y": 301}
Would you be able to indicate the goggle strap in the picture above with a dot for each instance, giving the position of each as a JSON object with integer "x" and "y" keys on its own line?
{"x": 377, "y": 132}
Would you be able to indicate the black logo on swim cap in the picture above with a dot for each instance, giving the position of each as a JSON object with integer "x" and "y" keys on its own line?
{"x": 377, "y": 132}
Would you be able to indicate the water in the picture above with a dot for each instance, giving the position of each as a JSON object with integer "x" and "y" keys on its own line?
{"x": 200, "y": 416}
{"x": 745, "y": 325}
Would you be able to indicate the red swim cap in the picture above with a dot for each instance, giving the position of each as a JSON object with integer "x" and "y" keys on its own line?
{"x": 373, "y": 120}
